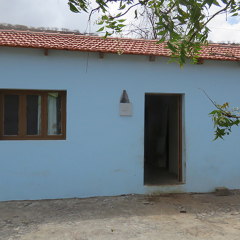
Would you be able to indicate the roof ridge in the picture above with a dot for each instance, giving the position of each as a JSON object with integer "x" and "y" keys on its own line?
{"x": 73, "y": 42}
{"x": 72, "y": 34}
{"x": 101, "y": 37}
{"x": 223, "y": 46}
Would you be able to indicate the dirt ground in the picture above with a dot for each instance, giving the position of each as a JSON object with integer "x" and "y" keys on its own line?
{"x": 171, "y": 216}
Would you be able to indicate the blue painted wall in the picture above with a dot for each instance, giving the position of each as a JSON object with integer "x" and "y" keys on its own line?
{"x": 103, "y": 152}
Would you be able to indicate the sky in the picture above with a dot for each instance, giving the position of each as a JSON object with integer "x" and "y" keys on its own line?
{"x": 56, "y": 13}
{"x": 44, "y": 13}
{"x": 224, "y": 28}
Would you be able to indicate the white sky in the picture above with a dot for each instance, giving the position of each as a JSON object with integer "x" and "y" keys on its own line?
{"x": 43, "y": 13}
{"x": 55, "y": 13}
{"x": 223, "y": 30}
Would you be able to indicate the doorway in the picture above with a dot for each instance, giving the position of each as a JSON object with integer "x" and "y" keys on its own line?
{"x": 163, "y": 139}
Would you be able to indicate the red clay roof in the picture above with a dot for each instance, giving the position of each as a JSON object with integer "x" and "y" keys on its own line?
{"x": 13, "y": 38}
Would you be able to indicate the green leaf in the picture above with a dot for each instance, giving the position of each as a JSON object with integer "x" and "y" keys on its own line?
{"x": 183, "y": 13}
{"x": 215, "y": 2}
{"x": 136, "y": 14}
{"x": 182, "y": 57}
{"x": 106, "y": 34}
{"x": 174, "y": 35}
{"x": 213, "y": 112}
{"x": 73, "y": 8}
{"x": 235, "y": 14}
{"x": 104, "y": 17}
{"x": 161, "y": 40}
{"x": 209, "y": 2}
{"x": 162, "y": 32}
{"x": 103, "y": 9}
{"x": 171, "y": 47}
{"x": 122, "y": 7}
{"x": 100, "y": 30}
{"x": 121, "y": 25}
{"x": 224, "y": 1}
{"x": 122, "y": 20}
{"x": 184, "y": 2}
{"x": 172, "y": 59}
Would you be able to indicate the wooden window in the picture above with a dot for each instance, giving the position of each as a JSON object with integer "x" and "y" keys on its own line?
{"x": 32, "y": 115}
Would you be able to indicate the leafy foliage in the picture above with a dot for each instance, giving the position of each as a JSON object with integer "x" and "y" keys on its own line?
{"x": 183, "y": 23}
{"x": 224, "y": 119}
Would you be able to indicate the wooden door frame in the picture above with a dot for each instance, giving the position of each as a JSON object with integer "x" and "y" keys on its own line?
{"x": 180, "y": 138}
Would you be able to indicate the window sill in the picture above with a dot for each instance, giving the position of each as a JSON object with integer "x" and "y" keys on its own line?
{"x": 34, "y": 138}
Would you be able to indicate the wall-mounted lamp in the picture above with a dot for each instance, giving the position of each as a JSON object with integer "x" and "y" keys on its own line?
{"x": 125, "y": 107}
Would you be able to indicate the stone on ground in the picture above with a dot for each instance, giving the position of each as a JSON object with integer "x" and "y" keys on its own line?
{"x": 222, "y": 191}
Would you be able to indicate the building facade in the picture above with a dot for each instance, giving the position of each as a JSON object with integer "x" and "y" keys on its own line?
{"x": 160, "y": 141}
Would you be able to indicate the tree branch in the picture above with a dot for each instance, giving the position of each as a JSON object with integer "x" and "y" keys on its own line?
{"x": 97, "y": 8}
{"x": 224, "y": 112}
{"x": 224, "y": 55}
{"x": 127, "y": 10}
{"x": 215, "y": 14}
{"x": 169, "y": 10}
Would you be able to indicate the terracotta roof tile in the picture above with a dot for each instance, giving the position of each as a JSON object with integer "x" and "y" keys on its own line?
{"x": 13, "y": 38}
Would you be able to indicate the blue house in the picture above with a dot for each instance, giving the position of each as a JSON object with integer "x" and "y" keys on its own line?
{"x": 78, "y": 120}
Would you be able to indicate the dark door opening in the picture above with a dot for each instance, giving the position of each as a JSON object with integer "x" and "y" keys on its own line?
{"x": 162, "y": 141}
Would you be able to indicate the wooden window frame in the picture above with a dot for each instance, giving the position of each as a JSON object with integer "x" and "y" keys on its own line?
{"x": 22, "y": 115}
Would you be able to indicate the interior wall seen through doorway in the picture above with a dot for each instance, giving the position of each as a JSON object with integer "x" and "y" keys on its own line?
{"x": 161, "y": 131}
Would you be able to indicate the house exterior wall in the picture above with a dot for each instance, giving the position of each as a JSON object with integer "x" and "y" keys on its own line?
{"x": 103, "y": 153}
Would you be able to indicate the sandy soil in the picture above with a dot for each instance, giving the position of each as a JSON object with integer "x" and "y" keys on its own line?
{"x": 171, "y": 216}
